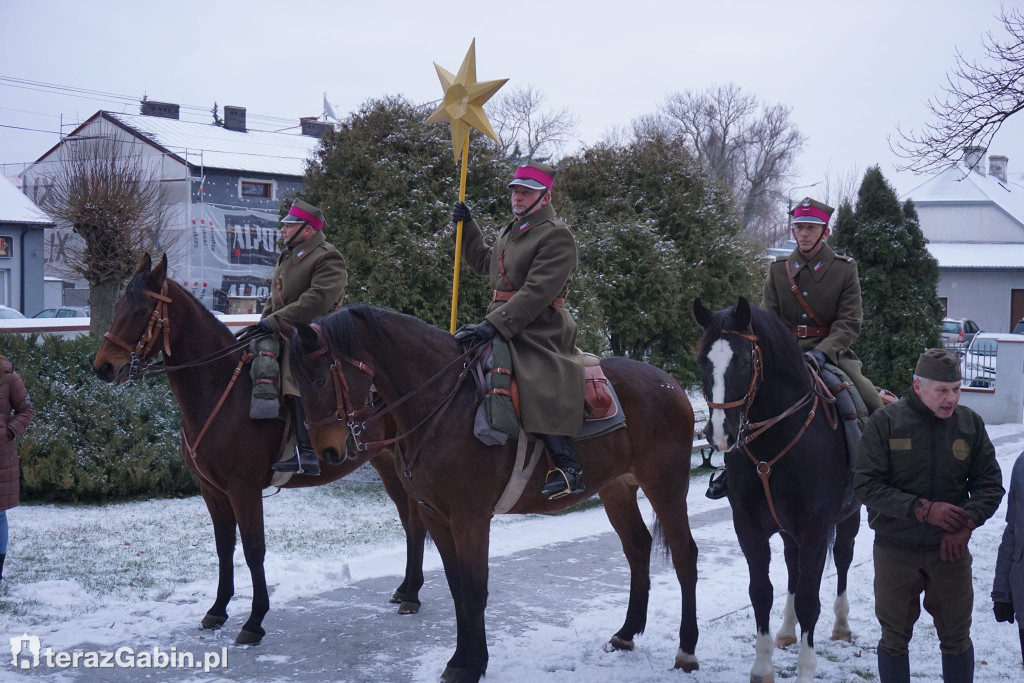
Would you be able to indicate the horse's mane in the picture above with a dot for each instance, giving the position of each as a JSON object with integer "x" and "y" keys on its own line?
{"x": 135, "y": 293}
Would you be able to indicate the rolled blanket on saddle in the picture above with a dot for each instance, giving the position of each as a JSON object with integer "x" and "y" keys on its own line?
{"x": 266, "y": 378}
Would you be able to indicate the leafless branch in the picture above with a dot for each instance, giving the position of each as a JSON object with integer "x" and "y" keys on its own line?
{"x": 525, "y": 129}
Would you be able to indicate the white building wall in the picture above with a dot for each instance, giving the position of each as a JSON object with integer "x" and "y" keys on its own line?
{"x": 968, "y": 223}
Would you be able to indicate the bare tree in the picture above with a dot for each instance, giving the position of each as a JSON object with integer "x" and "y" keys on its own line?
{"x": 748, "y": 146}
{"x": 102, "y": 188}
{"x": 979, "y": 97}
{"x": 525, "y": 130}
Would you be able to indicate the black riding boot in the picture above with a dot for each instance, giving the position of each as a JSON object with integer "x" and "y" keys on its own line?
{"x": 567, "y": 477}
{"x": 305, "y": 460}
{"x": 895, "y": 669}
{"x": 3, "y": 556}
{"x": 717, "y": 484}
{"x": 958, "y": 668}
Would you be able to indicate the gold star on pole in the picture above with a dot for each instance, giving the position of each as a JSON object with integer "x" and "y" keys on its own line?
{"x": 462, "y": 105}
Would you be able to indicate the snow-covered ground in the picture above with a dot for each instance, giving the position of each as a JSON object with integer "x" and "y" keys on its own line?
{"x": 110, "y": 575}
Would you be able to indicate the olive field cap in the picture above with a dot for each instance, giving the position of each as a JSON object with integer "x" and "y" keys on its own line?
{"x": 304, "y": 212}
{"x": 534, "y": 175}
{"x": 938, "y": 364}
{"x": 812, "y": 211}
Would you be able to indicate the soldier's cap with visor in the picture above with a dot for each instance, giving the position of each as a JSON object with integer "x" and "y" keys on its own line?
{"x": 812, "y": 211}
{"x": 535, "y": 176}
{"x": 939, "y": 365}
{"x": 304, "y": 212}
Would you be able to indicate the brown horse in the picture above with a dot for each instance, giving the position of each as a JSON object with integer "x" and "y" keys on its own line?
{"x": 232, "y": 453}
{"x": 458, "y": 480}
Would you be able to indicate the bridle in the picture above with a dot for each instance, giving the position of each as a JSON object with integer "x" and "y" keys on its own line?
{"x": 157, "y": 326}
{"x": 344, "y": 407}
{"x": 749, "y": 431}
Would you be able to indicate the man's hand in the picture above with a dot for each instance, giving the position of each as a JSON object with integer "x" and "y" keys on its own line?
{"x": 946, "y": 516}
{"x": 260, "y": 329}
{"x": 1003, "y": 611}
{"x": 460, "y": 212}
{"x": 817, "y": 356}
{"x": 954, "y": 544}
{"x": 485, "y": 331}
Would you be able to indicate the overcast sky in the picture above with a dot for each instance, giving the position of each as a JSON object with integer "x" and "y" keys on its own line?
{"x": 851, "y": 71}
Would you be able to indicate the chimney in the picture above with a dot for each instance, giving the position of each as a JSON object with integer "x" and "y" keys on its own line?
{"x": 164, "y": 110}
{"x": 234, "y": 118}
{"x": 997, "y": 164}
{"x": 972, "y": 156}
{"x": 313, "y": 128}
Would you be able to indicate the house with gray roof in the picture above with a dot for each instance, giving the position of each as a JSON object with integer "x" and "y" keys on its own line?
{"x": 973, "y": 218}
{"x": 222, "y": 188}
{"x": 22, "y": 225}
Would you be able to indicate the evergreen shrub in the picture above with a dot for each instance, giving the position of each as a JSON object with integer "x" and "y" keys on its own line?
{"x": 89, "y": 441}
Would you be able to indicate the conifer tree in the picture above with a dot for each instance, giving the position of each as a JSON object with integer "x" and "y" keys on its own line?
{"x": 898, "y": 279}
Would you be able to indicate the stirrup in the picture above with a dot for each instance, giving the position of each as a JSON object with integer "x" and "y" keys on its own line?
{"x": 562, "y": 484}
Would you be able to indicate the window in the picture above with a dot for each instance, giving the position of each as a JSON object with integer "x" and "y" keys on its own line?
{"x": 256, "y": 188}
{"x": 46, "y": 313}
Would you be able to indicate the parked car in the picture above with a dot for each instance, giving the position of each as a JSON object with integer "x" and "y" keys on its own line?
{"x": 958, "y": 333}
{"x": 978, "y": 366}
{"x": 8, "y": 313}
{"x": 63, "y": 312}
{"x": 1019, "y": 327}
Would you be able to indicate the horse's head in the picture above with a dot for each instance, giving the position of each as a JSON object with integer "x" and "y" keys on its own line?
{"x": 334, "y": 386}
{"x": 729, "y": 367}
{"x": 137, "y": 332}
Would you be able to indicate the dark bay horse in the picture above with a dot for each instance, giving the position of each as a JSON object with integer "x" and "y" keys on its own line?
{"x": 458, "y": 480}
{"x": 764, "y": 404}
{"x": 233, "y": 455}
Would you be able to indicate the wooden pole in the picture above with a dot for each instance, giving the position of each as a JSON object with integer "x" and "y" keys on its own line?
{"x": 458, "y": 236}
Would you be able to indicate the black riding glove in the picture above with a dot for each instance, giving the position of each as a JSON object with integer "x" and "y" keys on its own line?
{"x": 1003, "y": 611}
{"x": 485, "y": 331}
{"x": 260, "y": 329}
{"x": 819, "y": 358}
{"x": 460, "y": 212}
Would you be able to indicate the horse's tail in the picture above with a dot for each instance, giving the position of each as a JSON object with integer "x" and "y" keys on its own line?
{"x": 830, "y": 541}
{"x": 660, "y": 544}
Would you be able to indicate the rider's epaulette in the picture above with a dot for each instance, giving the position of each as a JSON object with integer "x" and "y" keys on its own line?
{"x": 848, "y": 259}
{"x": 781, "y": 258}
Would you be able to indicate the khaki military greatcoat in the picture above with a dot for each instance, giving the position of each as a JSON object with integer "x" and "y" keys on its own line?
{"x": 539, "y": 257}
{"x": 309, "y": 281}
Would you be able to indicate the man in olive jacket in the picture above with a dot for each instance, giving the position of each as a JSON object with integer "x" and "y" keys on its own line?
{"x": 928, "y": 474}
{"x": 308, "y": 281}
{"x": 530, "y": 267}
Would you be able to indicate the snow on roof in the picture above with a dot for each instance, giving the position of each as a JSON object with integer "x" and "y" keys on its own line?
{"x": 956, "y": 185}
{"x": 15, "y": 207}
{"x": 256, "y": 151}
{"x": 984, "y": 255}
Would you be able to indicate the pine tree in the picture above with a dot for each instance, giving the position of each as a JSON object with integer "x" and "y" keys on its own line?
{"x": 898, "y": 279}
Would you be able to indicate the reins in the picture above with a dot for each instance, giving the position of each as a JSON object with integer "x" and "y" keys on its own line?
{"x": 749, "y": 431}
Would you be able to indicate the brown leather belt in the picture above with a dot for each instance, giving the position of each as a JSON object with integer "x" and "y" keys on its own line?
{"x": 803, "y": 331}
{"x": 505, "y": 296}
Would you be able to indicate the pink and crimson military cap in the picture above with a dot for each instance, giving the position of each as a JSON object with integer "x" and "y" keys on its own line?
{"x": 304, "y": 212}
{"x": 811, "y": 211}
{"x": 534, "y": 175}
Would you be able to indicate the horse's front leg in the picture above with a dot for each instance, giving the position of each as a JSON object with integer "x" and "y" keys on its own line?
{"x": 757, "y": 551}
{"x": 223, "y": 517}
{"x": 842, "y": 553}
{"x": 248, "y": 506}
{"x": 408, "y": 593}
{"x": 445, "y": 543}
{"x": 786, "y": 635}
{"x": 471, "y": 533}
{"x": 813, "y": 551}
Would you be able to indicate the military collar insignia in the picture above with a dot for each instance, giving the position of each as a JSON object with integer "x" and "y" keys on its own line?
{"x": 299, "y": 255}
{"x": 818, "y": 265}
{"x": 525, "y": 225}
{"x": 796, "y": 265}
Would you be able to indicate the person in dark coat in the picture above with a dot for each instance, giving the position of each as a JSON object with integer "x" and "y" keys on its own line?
{"x": 816, "y": 293}
{"x": 530, "y": 267}
{"x": 927, "y": 472}
{"x": 1008, "y": 584}
{"x": 308, "y": 281}
{"x": 15, "y": 415}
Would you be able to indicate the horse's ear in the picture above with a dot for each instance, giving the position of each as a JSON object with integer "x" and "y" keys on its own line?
{"x": 702, "y": 314}
{"x": 742, "y": 314}
{"x": 145, "y": 263}
{"x": 155, "y": 277}
{"x": 308, "y": 336}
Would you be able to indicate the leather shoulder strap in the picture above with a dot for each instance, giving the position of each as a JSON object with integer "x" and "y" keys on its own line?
{"x": 802, "y": 301}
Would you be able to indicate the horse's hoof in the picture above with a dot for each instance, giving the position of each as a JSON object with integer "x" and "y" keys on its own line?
{"x": 213, "y": 621}
{"x": 686, "y": 661}
{"x": 397, "y": 598}
{"x": 408, "y": 607}
{"x": 842, "y": 635}
{"x": 784, "y": 641}
{"x": 768, "y": 678}
{"x": 246, "y": 637}
{"x": 451, "y": 674}
{"x": 617, "y": 643}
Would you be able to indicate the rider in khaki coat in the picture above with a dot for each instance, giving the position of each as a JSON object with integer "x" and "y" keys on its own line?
{"x": 824, "y": 311}
{"x": 308, "y": 281}
{"x": 530, "y": 267}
